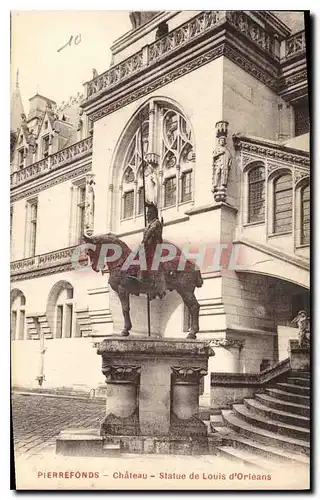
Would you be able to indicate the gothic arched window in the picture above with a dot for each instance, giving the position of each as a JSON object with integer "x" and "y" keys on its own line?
{"x": 256, "y": 194}
{"x": 164, "y": 137}
{"x": 305, "y": 215}
{"x": 282, "y": 195}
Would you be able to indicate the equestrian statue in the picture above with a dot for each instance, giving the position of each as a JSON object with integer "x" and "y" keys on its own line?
{"x": 130, "y": 279}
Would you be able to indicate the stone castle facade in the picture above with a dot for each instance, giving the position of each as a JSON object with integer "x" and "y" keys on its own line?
{"x": 179, "y": 82}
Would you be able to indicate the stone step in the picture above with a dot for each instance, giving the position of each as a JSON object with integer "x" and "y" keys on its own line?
{"x": 288, "y": 396}
{"x": 272, "y": 425}
{"x": 295, "y": 389}
{"x": 246, "y": 457}
{"x": 111, "y": 449}
{"x": 300, "y": 374}
{"x": 301, "y": 382}
{"x": 273, "y": 414}
{"x": 281, "y": 405}
{"x": 264, "y": 436}
{"x": 216, "y": 419}
{"x": 276, "y": 454}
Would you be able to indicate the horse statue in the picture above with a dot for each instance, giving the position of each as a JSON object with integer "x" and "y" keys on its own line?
{"x": 127, "y": 280}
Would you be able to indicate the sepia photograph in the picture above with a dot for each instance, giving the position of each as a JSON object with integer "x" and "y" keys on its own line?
{"x": 160, "y": 250}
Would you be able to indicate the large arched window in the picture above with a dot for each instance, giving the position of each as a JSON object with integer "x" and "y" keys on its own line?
{"x": 305, "y": 215}
{"x": 256, "y": 194}
{"x": 60, "y": 310}
{"x": 165, "y": 137}
{"x": 282, "y": 196}
{"x": 18, "y": 315}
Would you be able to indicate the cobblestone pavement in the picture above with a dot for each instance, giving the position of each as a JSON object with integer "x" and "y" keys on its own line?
{"x": 37, "y": 420}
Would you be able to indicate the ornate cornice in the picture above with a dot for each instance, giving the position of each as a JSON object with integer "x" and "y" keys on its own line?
{"x": 187, "y": 375}
{"x": 70, "y": 174}
{"x": 264, "y": 150}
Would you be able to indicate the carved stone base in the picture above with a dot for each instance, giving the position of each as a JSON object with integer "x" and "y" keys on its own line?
{"x": 299, "y": 355}
{"x": 193, "y": 427}
{"x": 129, "y": 426}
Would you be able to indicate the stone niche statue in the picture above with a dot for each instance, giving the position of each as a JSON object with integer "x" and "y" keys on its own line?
{"x": 303, "y": 323}
{"x": 221, "y": 164}
{"x": 151, "y": 179}
{"x": 89, "y": 205}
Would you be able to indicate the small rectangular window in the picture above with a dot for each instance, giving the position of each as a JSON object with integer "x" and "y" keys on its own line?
{"x": 21, "y": 158}
{"x": 13, "y": 324}
{"x": 170, "y": 190}
{"x": 33, "y": 215}
{"x": 22, "y": 321}
{"x": 186, "y": 186}
{"x": 45, "y": 146}
{"x": 59, "y": 321}
{"x": 128, "y": 200}
{"x": 68, "y": 321}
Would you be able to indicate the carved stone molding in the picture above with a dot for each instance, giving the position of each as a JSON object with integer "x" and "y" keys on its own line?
{"x": 300, "y": 174}
{"x": 120, "y": 373}
{"x": 190, "y": 375}
{"x": 226, "y": 343}
{"x": 281, "y": 154}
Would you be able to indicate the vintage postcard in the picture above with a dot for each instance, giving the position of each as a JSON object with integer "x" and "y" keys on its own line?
{"x": 160, "y": 234}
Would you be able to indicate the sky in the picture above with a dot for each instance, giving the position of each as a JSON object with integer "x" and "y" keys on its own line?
{"x": 37, "y": 36}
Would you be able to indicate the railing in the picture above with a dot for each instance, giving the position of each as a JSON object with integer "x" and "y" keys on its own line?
{"x": 200, "y": 24}
{"x": 52, "y": 162}
{"x": 295, "y": 44}
{"x": 243, "y": 23}
{"x": 42, "y": 261}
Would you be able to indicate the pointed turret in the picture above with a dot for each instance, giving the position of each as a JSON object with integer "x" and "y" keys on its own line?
{"x": 16, "y": 107}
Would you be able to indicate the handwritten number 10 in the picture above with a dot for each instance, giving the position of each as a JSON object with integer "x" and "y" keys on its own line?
{"x": 76, "y": 41}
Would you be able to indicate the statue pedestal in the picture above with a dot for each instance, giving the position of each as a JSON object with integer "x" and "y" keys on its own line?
{"x": 299, "y": 356}
{"x": 152, "y": 401}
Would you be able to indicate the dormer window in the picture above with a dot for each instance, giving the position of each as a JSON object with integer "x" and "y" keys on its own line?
{"x": 21, "y": 139}
{"x": 46, "y": 124}
{"x": 45, "y": 146}
{"x": 21, "y": 158}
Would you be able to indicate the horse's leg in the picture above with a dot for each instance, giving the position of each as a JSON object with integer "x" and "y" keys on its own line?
{"x": 193, "y": 306}
{"x": 124, "y": 297}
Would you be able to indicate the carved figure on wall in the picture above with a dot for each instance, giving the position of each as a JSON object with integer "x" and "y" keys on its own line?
{"x": 302, "y": 320}
{"x": 95, "y": 73}
{"x": 222, "y": 161}
{"x": 89, "y": 206}
{"x": 151, "y": 184}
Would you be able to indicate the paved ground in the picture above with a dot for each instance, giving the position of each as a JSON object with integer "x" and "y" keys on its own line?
{"x": 37, "y": 420}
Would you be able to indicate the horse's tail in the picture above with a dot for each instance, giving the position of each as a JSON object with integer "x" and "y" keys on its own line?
{"x": 199, "y": 280}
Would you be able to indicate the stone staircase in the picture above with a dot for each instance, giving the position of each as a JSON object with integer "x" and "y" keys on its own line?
{"x": 271, "y": 427}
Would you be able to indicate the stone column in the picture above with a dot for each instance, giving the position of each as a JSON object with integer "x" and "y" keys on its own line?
{"x": 185, "y": 401}
{"x": 122, "y": 414}
{"x": 226, "y": 359}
